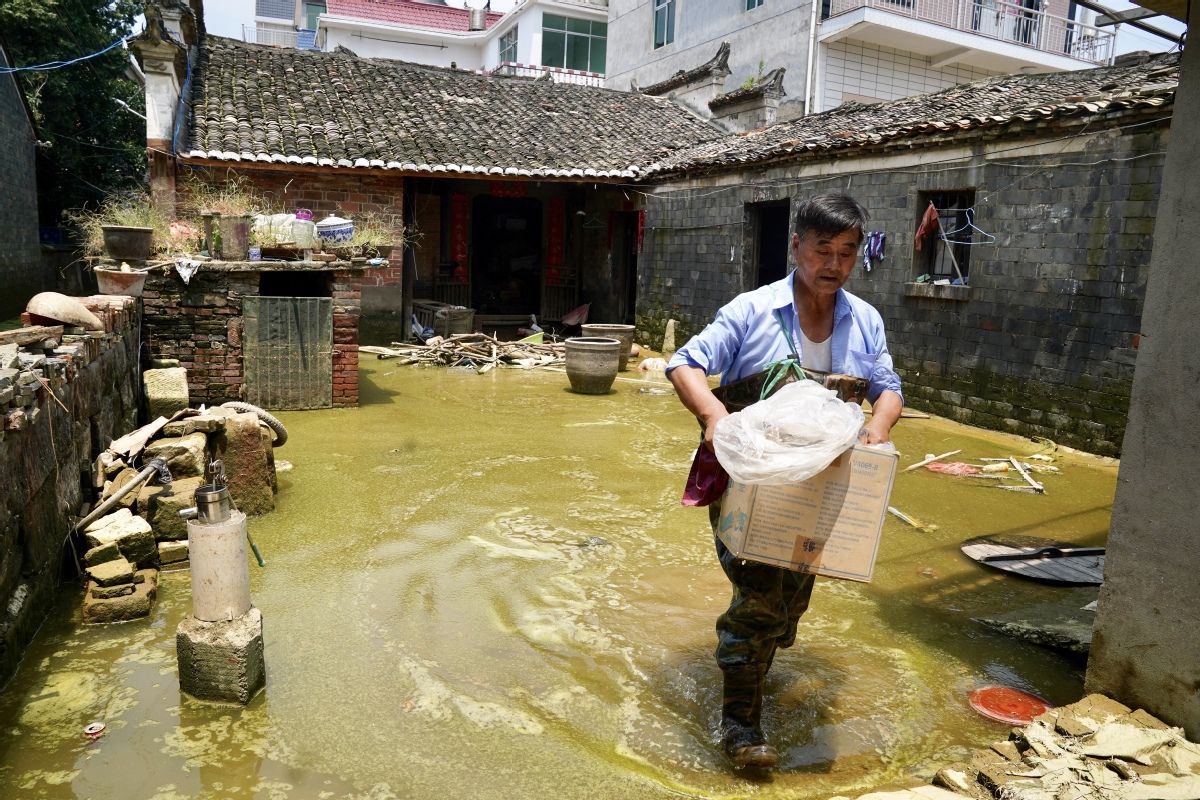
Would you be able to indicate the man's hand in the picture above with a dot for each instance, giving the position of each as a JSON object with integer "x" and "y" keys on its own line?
{"x": 885, "y": 411}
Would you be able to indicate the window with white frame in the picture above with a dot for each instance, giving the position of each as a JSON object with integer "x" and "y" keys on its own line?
{"x": 664, "y": 22}
{"x": 573, "y": 43}
{"x": 508, "y": 45}
{"x": 753, "y": 4}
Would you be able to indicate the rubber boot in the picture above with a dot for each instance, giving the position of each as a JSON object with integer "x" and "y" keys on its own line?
{"x": 741, "y": 714}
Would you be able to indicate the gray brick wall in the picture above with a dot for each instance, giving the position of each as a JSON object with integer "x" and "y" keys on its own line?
{"x": 1044, "y": 344}
{"x": 20, "y": 254}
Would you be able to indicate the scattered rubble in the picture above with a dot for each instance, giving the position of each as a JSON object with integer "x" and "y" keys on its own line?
{"x": 476, "y": 351}
{"x": 1095, "y": 749}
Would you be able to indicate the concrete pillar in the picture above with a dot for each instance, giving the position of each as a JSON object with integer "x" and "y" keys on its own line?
{"x": 1146, "y": 642}
{"x": 221, "y": 660}
{"x": 162, "y": 52}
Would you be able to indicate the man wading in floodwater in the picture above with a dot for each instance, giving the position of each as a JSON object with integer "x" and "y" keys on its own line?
{"x": 807, "y": 315}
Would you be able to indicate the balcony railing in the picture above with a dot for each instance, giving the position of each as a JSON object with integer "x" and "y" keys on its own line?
{"x": 557, "y": 74}
{"x": 274, "y": 37}
{"x": 998, "y": 19}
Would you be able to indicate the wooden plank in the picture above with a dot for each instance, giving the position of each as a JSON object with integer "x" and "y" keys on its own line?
{"x": 1078, "y": 570}
{"x": 31, "y": 334}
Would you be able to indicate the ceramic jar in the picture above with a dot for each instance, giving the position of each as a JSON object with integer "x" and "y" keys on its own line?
{"x": 622, "y": 333}
{"x": 592, "y": 363}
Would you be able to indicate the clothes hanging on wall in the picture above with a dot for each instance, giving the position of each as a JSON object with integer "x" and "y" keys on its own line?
{"x": 929, "y": 224}
{"x": 873, "y": 249}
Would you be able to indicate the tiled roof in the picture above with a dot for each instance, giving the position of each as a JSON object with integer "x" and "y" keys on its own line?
{"x": 277, "y": 105}
{"x": 770, "y": 85}
{"x": 718, "y": 64}
{"x": 408, "y": 13}
{"x": 991, "y": 104}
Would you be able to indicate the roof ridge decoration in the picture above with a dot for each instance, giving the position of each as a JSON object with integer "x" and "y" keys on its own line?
{"x": 992, "y": 105}
{"x": 768, "y": 86}
{"x": 717, "y": 66}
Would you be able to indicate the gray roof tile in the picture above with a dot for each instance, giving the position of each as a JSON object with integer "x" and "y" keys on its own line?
{"x": 251, "y": 102}
{"x": 993, "y": 104}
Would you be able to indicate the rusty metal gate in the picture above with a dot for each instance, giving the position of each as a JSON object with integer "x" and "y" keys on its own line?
{"x": 287, "y": 350}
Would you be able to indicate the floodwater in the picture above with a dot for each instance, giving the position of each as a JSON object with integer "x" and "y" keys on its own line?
{"x": 485, "y": 587}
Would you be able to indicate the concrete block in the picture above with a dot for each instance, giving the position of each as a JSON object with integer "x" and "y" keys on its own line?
{"x": 123, "y": 477}
{"x": 185, "y": 455}
{"x": 221, "y": 660}
{"x": 136, "y": 605}
{"x": 166, "y": 391}
{"x": 161, "y": 508}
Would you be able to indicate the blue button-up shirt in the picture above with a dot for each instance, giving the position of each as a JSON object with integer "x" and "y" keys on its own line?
{"x": 746, "y": 336}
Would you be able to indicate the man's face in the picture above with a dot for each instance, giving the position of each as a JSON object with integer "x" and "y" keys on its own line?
{"x": 824, "y": 261}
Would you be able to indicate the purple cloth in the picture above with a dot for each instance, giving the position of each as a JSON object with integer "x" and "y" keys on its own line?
{"x": 707, "y": 480}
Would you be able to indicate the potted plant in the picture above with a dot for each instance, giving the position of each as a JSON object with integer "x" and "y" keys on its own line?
{"x": 374, "y": 236}
{"x": 226, "y": 208}
{"x": 123, "y": 227}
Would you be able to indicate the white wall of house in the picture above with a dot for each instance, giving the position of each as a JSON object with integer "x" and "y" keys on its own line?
{"x": 776, "y": 33}
{"x": 383, "y": 41}
{"x": 864, "y": 72}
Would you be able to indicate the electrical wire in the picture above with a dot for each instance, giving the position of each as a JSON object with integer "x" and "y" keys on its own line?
{"x": 52, "y": 65}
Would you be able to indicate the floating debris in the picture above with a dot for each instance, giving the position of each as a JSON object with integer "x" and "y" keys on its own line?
{"x": 94, "y": 730}
{"x": 476, "y": 351}
{"x": 930, "y": 459}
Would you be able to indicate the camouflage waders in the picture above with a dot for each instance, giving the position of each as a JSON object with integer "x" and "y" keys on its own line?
{"x": 767, "y": 604}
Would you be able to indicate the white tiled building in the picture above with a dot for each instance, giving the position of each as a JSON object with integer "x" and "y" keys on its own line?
{"x": 849, "y": 50}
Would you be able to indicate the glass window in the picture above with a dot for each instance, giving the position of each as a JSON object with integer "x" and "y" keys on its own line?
{"x": 311, "y": 11}
{"x": 573, "y": 43}
{"x": 664, "y": 22}
{"x": 753, "y": 4}
{"x": 946, "y": 242}
{"x": 508, "y": 45}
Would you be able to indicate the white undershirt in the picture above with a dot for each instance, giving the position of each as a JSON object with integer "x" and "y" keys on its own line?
{"x": 816, "y": 355}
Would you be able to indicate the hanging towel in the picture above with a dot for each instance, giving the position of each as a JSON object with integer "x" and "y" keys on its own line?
{"x": 873, "y": 249}
{"x": 929, "y": 224}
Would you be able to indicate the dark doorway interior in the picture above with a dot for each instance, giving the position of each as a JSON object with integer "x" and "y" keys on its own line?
{"x": 506, "y": 268}
{"x": 625, "y": 255}
{"x": 772, "y": 242}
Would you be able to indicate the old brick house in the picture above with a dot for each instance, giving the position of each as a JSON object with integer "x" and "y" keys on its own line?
{"x": 507, "y": 189}
{"x": 1046, "y": 187}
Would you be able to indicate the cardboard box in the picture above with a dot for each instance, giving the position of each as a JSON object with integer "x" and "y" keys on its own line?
{"x": 830, "y": 524}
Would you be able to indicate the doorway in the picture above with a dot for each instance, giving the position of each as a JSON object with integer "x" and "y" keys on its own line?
{"x": 768, "y": 226}
{"x": 506, "y": 266}
{"x": 624, "y": 226}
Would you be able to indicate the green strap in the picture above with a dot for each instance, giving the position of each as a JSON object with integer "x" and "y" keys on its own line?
{"x": 778, "y": 371}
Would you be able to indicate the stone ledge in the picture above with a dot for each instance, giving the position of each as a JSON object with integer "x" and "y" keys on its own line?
{"x": 937, "y": 292}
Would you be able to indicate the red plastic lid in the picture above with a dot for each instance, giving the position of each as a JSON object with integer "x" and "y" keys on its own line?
{"x": 1008, "y": 705}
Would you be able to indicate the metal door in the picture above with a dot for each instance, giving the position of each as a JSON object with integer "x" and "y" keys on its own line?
{"x": 287, "y": 350}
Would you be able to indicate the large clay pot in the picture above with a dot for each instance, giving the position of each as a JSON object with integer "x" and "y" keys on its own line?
{"x": 623, "y": 333}
{"x": 114, "y": 281}
{"x": 127, "y": 243}
{"x": 592, "y": 363}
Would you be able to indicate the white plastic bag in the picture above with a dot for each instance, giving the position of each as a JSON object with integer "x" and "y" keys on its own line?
{"x": 789, "y": 437}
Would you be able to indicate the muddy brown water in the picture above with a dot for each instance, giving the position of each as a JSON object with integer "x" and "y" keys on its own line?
{"x": 485, "y": 587}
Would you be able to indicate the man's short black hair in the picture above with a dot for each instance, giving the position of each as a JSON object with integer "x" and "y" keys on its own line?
{"x": 830, "y": 214}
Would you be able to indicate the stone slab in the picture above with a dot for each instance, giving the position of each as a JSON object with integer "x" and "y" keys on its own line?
{"x": 108, "y": 592}
{"x": 108, "y": 519}
{"x": 248, "y": 464}
{"x": 122, "y": 478}
{"x": 160, "y": 506}
{"x": 172, "y": 552}
{"x": 111, "y": 573}
{"x": 102, "y": 554}
{"x": 132, "y": 536}
{"x": 202, "y": 423}
{"x": 166, "y": 391}
{"x": 136, "y": 605}
{"x": 221, "y": 660}
{"x": 185, "y": 455}
{"x": 1061, "y": 625}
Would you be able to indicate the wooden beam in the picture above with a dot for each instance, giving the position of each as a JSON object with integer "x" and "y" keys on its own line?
{"x": 31, "y": 334}
{"x": 1117, "y": 17}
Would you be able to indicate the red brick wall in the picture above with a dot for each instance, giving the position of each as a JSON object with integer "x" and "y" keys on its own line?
{"x": 347, "y": 308}
{"x": 339, "y": 193}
